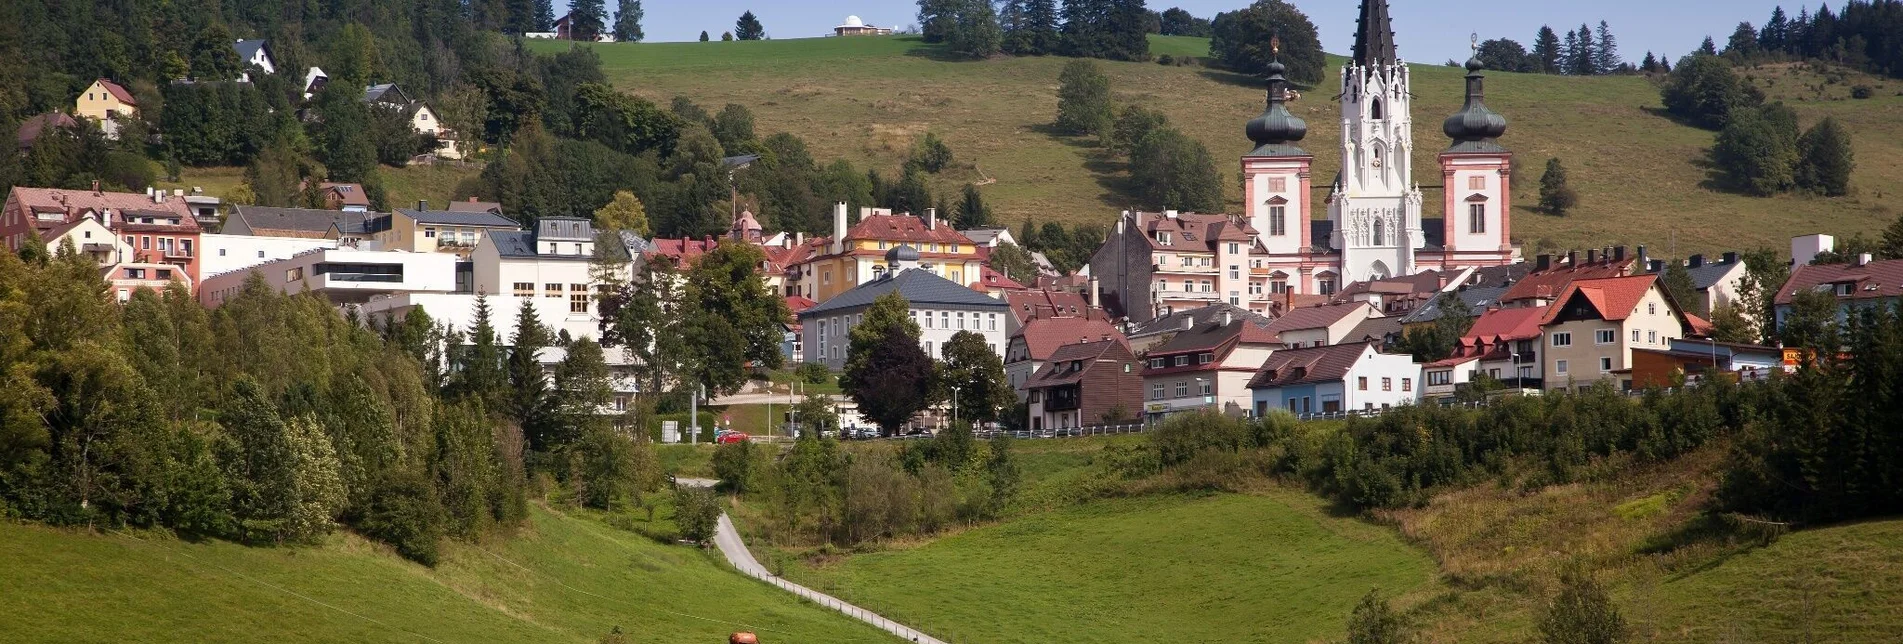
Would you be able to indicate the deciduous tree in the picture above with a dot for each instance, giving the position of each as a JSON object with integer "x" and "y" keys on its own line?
{"x": 1083, "y": 99}
{"x": 1240, "y": 40}
{"x": 976, "y": 371}
{"x": 887, "y": 373}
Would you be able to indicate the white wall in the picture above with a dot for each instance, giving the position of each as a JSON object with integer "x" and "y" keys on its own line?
{"x": 226, "y": 253}
{"x": 422, "y": 272}
{"x": 1375, "y": 365}
{"x": 825, "y": 338}
{"x": 459, "y": 311}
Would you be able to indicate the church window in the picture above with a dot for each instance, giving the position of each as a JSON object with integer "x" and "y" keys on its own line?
{"x": 1477, "y": 218}
{"x": 1380, "y": 232}
{"x": 1477, "y": 182}
{"x": 1278, "y": 184}
{"x": 1374, "y": 110}
{"x": 1277, "y": 227}
{"x": 1278, "y": 287}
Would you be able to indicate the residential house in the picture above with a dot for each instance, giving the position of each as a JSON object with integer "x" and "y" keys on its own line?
{"x": 940, "y": 306}
{"x": 1334, "y": 379}
{"x": 34, "y": 127}
{"x": 1862, "y": 282}
{"x": 348, "y": 197}
{"x": 1317, "y": 326}
{"x": 995, "y": 284}
{"x": 388, "y": 94}
{"x": 424, "y": 120}
{"x": 1694, "y": 360}
{"x": 127, "y": 277}
{"x": 1504, "y": 344}
{"x": 1477, "y": 298}
{"x": 990, "y": 237}
{"x": 1594, "y": 325}
{"x": 1155, "y": 263}
{"x": 421, "y": 230}
{"x": 853, "y": 256}
{"x": 254, "y": 53}
{"x": 1143, "y": 336}
{"x": 1032, "y": 345}
{"x": 105, "y": 101}
{"x": 1716, "y": 283}
{"x": 314, "y": 81}
{"x": 160, "y": 228}
{"x": 471, "y": 205}
{"x": 1084, "y": 384}
{"x": 91, "y": 238}
{"x": 347, "y": 228}
{"x": 1551, "y": 275}
{"x": 1206, "y": 366}
{"x": 1032, "y": 304}
{"x": 790, "y": 348}
{"x": 551, "y": 263}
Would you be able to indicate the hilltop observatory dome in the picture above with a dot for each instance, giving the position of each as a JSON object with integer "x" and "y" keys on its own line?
{"x": 854, "y": 21}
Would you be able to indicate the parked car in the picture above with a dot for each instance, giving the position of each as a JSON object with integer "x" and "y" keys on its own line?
{"x": 724, "y": 437}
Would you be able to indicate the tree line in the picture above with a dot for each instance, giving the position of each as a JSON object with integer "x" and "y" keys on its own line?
{"x": 1582, "y": 52}
{"x": 1168, "y": 169}
{"x": 1861, "y": 34}
{"x": 1760, "y": 149}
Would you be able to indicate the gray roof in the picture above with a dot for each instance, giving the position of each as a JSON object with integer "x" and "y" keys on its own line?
{"x": 743, "y": 159}
{"x": 375, "y": 93}
{"x": 310, "y": 220}
{"x": 1478, "y": 298}
{"x": 450, "y": 218}
{"x": 1703, "y": 277}
{"x": 520, "y": 244}
{"x": 1200, "y": 316}
{"x": 983, "y": 235}
{"x": 247, "y": 49}
{"x": 920, "y": 287}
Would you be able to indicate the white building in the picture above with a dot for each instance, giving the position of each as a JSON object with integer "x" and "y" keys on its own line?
{"x": 551, "y": 264}
{"x": 1335, "y": 379}
{"x": 254, "y": 53}
{"x": 227, "y": 253}
{"x": 942, "y": 308}
{"x": 343, "y": 275}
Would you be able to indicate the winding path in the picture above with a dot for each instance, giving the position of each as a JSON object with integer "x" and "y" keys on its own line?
{"x": 728, "y": 540}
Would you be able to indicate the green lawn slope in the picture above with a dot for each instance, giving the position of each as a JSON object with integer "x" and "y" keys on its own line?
{"x": 1641, "y": 176}
{"x": 1267, "y": 567}
{"x": 563, "y": 579}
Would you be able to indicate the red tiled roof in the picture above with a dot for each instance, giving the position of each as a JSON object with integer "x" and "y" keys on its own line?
{"x": 993, "y": 280}
{"x": 75, "y": 202}
{"x": 1192, "y": 231}
{"x": 1700, "y": 326}
{"x": 795, "y": 304}
{"x": 1043, "y": 336}
{"x": 1057, "y": 370}
{"x": 1551, "y": 282}
{"x": 1043, "y": 303}
{"x": 1314, "y": 317}
{"x": 350, "y": 194}
{"x": 1875, "y": 280}
{"x": 682, "y": 251}
{"x": 119, "y": 92}
{"x": 32, "y": 128}
{"x": 1508, "y": 324}
{"x": 1313, "y": 364}
{"x": 905, "y": 228}
{"x": 1614, "y": 297}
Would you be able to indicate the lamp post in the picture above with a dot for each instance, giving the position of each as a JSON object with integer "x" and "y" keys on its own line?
{"x": 954, "y": 405}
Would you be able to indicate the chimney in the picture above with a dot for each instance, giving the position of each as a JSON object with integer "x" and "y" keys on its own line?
{"x": 1592, "y": 255}
{"x": 1697, "y": 261}
{"x": 1122, "y": 220}
{"x": 839, "y": 226}
{"x": 1863, "y": 259}
{"x": 1643, "y": 260}
{"x": 472, "y": 200}
{"x": 1730, "y": 258}
{"x": 96, "y": 187}
{"x": 931, "y": 219}
{"x": 1170, "y": 214}
{"x": 1618, "y": 253}
{"x": 1227, "y": 318}
{"x": 176, "y": 192}
{"x": 1656, "y": 266}
{"x": 1543, "y": 262}
{"x": 1572, "y": 258}
{"x": 1096, "y": 293}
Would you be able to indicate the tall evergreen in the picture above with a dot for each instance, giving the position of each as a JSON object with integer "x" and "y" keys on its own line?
{"x": 1030, "y": 27}
{"x": 972, "y": 212}
{"x": 1775, "y": 35}
{"x": 1086, "y": 28}
{"x": 587, "y": 19}
{"x": 748, "y": 27}
{"x": 1605, "y": 55}
{"x": 1585, "y": 54}
{"x": 1825, "y": 159}
{"x": 628, "y": 16}
{"x": 1546, "y": 48}
{"x": 528, "y": 385}
{"x": 1569, "y": 54}
{"x": 1556, "y": 197}
{"x": 479, "y": 372}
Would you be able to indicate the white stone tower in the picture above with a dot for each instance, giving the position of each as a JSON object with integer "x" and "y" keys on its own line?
{"x": 1376, "y": 204}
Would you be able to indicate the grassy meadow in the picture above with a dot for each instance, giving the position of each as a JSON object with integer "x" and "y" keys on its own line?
{"x": 1641, "y": 176}
{"x": 562, "y": 579}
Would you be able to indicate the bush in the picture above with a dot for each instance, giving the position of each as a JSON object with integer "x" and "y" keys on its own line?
{"x": 1166, "y": 60}
{"x": 1375, "y": 622}
{"x": 932, "y": 154}
{"x": 1181, "y": 437}
{"x": 1582, "y": 613}
{"x": 813, "y": 373}
{"x": 1863, "y": 91}
{"x": 696, "y": 513}
{"x": 403, "y": 512}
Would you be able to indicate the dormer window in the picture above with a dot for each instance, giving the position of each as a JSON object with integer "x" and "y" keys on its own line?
{"x": 1163, "y": 238}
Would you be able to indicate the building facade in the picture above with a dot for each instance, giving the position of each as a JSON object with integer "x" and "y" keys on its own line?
{"x": 1594, "y": 326}
{"x": 855, "y": 255}
{"x": 941, "y": 308}
{"x": 1334, "y": 379}
{"x": 1084, "y": 384}
{"x": 1206, "y": 366}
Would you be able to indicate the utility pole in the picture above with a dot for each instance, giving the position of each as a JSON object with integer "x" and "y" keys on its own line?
{"x": 954, "y": 406}
{"x": 693, "y": 414}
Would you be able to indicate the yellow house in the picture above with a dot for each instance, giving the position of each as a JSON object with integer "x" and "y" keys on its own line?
{"x": 856, "y": 255}
{"x": 105, "y": 100}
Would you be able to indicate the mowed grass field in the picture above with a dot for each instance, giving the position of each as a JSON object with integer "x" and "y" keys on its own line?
{"x": 1641, "y": 176}
{"x": 563, "y": 579}
{"x": 1266, "y": 567}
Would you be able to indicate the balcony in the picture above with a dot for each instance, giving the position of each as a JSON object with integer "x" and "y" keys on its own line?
{"x": 178, "y": 253}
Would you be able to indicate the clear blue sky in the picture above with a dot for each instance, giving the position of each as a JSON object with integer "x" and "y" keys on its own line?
{"x": 1429, "y": 32}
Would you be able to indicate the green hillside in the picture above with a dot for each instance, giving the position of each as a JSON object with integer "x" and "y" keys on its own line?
{"x": 1639, "y": 173}
{"x": 1270, "y": 567}
{"x": 563, "y": 579}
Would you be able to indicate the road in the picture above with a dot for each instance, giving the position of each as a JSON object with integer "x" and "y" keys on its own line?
{"x": 728, "y": 540}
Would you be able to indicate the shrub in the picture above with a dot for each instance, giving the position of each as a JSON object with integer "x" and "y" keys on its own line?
{"x": 1181, "y": 437}
{"x": 1582, "y": 613}
{"x": 696, "y": 513}
{"x": 813, "y": 373}
{"x": 1862, "y": 91}
{"x": 1166, "y": 60}
{"x": 403, "y": 512}
{"x": 1375, "y": 622}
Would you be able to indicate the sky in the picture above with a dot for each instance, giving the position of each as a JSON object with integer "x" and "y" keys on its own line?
{"x": 1428, "y": 32}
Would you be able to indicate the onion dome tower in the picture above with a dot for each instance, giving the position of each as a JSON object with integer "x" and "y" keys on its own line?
{"x": 1475, "y": 128}
{"x": 1276, "y": 131}
{"x": 1275, "y": 175}
{"x": 1477, "y": 171}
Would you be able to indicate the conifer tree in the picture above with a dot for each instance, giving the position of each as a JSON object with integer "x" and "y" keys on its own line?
{"x": 628, "y": 16}
{"x": 1030, "y": 28}
{"x": 528, "y": 385}
{"x": 1585, "y": 53}
{"x": 703, "y": 35}
{"x": 972, "y": 212}
{"x": 1825, "y": 159}
{"x": 1707, "y": 48}
{"x": 1892, "y": 245}
{"x": 479, "y": 375}
{"x": 1556, "y": 197}
{"x": 1678, "y": 283}
{"x": 1605, "y": 55}
{"x": 587, "y": 19}
{"x": 1546, "y": 49}
{"x": 748, "y": 27}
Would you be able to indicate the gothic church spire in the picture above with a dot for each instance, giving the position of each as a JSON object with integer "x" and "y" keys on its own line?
{"x": 1374, "y": 35}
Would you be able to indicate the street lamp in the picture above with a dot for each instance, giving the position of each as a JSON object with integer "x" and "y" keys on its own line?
{"x": 954, "y": 406}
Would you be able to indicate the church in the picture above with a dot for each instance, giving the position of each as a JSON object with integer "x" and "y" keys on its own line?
{"x": 1374, "y": 227}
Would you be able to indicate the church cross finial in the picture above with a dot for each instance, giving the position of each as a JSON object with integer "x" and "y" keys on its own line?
{"x": 1275, "y": 45}
{"x": 1474, "y": 39}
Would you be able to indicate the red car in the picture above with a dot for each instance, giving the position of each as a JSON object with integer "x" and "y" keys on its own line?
{"x": 725, "y": 437}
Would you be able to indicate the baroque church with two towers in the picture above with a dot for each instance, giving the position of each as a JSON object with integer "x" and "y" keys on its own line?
{"x": 1157, "y": 262}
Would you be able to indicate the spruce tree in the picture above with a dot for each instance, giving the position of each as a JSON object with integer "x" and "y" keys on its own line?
{"x": 703, "y": 35}
{"x": 1775, "y": 36}
{"x": 972, "y": 212}
{"x": 586, "y": 19}
{"x": 628, "y": 16}
{"x": 1585, "y": 57}
{"x": 1605, "y": 55}
{"x": 1556, "y": 197}
{"x": 1678, "y": 283}
{"x": 1707, "y": 48}
{"x": 748, "y": 27}
{"x": 1825, "y": 159}
{"x": 528, "y": 386}
{"x": 1036, "y": 33}
{"x": 1546, "y": 49}
{"x": 479, "y": 374}
{"x": 1569, "y": 54}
